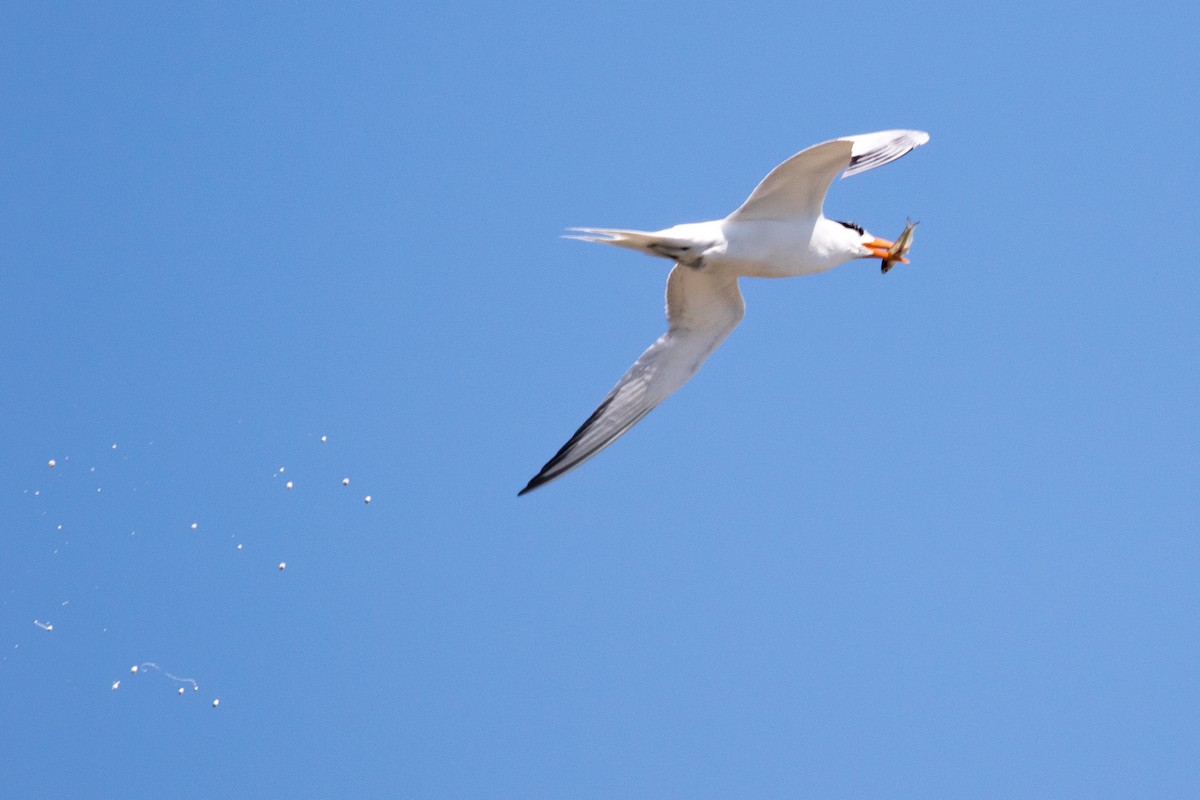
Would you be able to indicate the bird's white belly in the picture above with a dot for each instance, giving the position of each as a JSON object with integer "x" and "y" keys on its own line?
{"x": 767, "y": 249}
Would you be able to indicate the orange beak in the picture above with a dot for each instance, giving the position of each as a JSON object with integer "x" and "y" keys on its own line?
{"x": 880, "y": 248}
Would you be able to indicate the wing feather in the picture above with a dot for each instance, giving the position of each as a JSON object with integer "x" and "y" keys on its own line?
{"x": 701, "y": 311}
{"x": 873, "y": 150}
{"x": 797, "y": 187}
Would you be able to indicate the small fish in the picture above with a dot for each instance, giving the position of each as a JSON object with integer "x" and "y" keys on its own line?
{"x": 898, "y": 250}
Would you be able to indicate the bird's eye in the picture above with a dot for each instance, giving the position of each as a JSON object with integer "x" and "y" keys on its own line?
{"x": 854, "y": 226}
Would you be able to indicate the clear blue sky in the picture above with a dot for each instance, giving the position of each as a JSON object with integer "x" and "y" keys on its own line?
{"x": 929, "y": 534}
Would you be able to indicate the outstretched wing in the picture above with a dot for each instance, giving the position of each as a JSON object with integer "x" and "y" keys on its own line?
{"x": 797, "y": 187}
{"x": 701, "y": 311}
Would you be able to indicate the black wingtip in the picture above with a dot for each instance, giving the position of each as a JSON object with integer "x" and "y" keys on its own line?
{"x": 534, "y": 482}
{"x": 545, "y": 476}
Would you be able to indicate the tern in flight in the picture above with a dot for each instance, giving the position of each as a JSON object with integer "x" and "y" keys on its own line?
{"x": 780, "y": 231}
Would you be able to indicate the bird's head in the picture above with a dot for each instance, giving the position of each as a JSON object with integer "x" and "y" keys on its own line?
{"x": 863, "y": 244}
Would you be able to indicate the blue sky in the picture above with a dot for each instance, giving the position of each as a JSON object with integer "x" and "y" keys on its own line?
{"x": 929, "y": 534}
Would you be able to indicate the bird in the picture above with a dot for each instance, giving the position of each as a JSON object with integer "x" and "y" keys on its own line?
{"x": 780, "y": 231}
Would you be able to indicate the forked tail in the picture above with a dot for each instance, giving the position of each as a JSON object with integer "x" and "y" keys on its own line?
{"x": 652, "y": 244}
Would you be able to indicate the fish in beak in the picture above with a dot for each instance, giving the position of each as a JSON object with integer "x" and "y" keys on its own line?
{"x": 898, "y": 249}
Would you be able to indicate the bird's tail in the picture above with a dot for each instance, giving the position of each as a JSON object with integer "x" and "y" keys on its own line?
{"x": 652, "y": 244}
